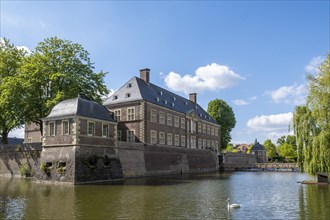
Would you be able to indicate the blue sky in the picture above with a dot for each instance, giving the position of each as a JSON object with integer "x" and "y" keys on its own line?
{"x": 252, "y": 54}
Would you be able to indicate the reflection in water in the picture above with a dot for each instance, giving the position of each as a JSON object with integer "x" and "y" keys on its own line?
{"x": 262, "y": 195}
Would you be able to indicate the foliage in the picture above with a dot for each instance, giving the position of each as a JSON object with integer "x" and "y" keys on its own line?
{"x": 287, "y": 151}
{"x": 11, "y": 93}
{"x": 271, "y": 148}
{"x": 312, "y": 123}
{"x": 223, "y": 114}
{"x": 45, "y": 168}
{"x": 57, "y": 70}
{"x": 25, "y": 170}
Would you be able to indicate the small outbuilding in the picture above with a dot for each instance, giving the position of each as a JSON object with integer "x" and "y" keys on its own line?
{"x": 260, "y": 152}
{"x": 79, "y": 143}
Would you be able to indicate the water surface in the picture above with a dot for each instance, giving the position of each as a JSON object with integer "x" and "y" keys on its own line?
{"x": 262, "y": 195}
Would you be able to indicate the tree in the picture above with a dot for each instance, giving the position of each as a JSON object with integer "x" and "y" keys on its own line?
{"x": 281, "y": 140}
{"x": 312, "y": 123}
{"x": 58, "y": 70}
{"x": 287, "y": 151}
{"x": 223, "y": 114}
{"x": 11, "y": 116}
{"x": 271, "y": 148}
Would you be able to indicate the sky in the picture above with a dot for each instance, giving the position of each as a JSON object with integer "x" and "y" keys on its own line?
{"x": 254, "y": 55}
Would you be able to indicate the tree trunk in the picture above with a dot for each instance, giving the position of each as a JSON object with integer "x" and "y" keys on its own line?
{"x": 4, "y": 135}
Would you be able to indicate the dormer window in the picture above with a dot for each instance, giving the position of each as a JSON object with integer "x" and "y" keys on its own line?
{"x": 174, "y": 98}
{"x": 186, "y": 103}
{"x": 165, "y": 102}
{"x": 127, "y": 95}
{"x": 173, "y": 104}
{"x": 161, "y": 93}
{"x": 115, "y": 97}
{"x": 157, "y": 99}
{"x": 129, "y": 85}
{"x": 196, "y": 107}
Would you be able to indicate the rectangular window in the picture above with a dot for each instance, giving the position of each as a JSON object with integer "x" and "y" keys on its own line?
{"x": 208, "y": 143}
{"x": 65, "y": 125}
{"x": 29, "y": 139}
{"x": 117, "y": 114}
{"x": 52, "y": 129}
{"x": 169, "y": 119}
{"x": 208, "y": 129}
{"x": 199, "y": 143}
{"x": 119, "y": 135}
{"x": 105, "y": 130}
{"x": 199, "y": 127}
{"x": 193, "y": 142}
{"x": 212, "y": 144}
{"x": 153, "y": 117}
{"x": 169, "y": 139}
{"x": 212, "y": 130}
{"x": 216, "y": 131}
{"x": 130, "y": 136}
{"x": 204, "y": 128}
{"x": 153, "y": 137}
{"x": 216, "y": 145}
{"x": 183, "y": 123}
{"x": 161, "y": 118}
{"x": 161, "y": 138}
{"x": 183, "y": 141}
{"x": 176, "y": 121}
{"x": 204, "y": 143}
{"x": 176, "y": 140}
{"x": 91, "y": 128}
{"x": 131, "y": 114}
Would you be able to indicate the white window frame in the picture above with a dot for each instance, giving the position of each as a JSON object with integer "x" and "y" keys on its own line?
{"x": 64, "y": 123}
{"x": 162, "y": 138}
{"x": 176, "y": 140}
{"x": 199, "y": 127}
{"x": 107, "y": 130}
{"x": 183, "y": 123}
{"x": 89, "y": 123}
{"x": 153, "y": 137}
{"x": 169, "y": 139}
{"x": 216, "y": 132}
{"x": 204, "y": 128}
{"x": 208, "y": 129}
{"x": 200, "y": 143}
{"x": 153, "y": 115}
{"x": 212, "y": 130}
{"x": 129, "y": 136}
{"x": 169, "y": 120}
{"x": 52, "y": 128}
{"x": 117, "y": 114}
{"x": 176, "y": 121}
{"x": 183, "y": 141}
{"x": 161, "y": 118}
{"x": 130, "y": 114}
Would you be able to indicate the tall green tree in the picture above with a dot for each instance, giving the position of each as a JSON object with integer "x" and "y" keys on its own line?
{"x": 223, "y": 114}
{"x": 271, "y": 148}
{"x": 11, "y": 59}
{"x": 58, "y": 69}
{"x": 312, "y": 123}
{"x": 287, "y": 151}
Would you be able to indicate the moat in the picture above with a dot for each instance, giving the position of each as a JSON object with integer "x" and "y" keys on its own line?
{"x": 263, "y": 195}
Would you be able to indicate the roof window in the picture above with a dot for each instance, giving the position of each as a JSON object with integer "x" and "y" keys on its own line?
{"x": 129, "y": 85}
{"x": 186, "y": 103}
{"x": 161, "y": 92}
{"x": 127, "y": 95}
{"x": 157, "y": 99}
{"x": 165, "y": 102}
{"x": 174, "y": 98}
{"x": 114, "y": 97}
{"x": 173, "y": 104}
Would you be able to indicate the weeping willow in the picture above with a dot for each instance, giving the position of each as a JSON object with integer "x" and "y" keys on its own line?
{"x": 311, "y": 123}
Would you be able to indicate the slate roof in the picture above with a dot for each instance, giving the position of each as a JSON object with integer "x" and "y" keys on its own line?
{"x": 13, "y": 141}
{"x": 82, "y": 107}
{"x": 257, "y": 146}
{"x": 137, "y": 89}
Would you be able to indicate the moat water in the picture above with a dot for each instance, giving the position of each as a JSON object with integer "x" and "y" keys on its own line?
{"x": 262, "y": 195}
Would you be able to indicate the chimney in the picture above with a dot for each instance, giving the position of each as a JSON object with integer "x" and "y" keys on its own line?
{"x": 145, "y": 75}
{"x": 193, "y": 97}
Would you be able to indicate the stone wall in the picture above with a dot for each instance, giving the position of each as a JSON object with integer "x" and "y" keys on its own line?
{"x": 151, "y": 160}
{"x": 14, "y": 156}
{"x": 234, "y": 161}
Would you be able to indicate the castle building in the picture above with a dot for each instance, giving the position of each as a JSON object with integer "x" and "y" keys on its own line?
{"x": 259, "y": 151}
{"x": 153, "y": 115}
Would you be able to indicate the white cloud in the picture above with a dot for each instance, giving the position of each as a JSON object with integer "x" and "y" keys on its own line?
{"x": 270, "y": 122}
{"x": 209, "y": 77}
{"x": 240, "y": 102}
{"x": 2, "y": 41}
{"x": 294, "y": 94}
{"x": 312, "y": 66}
{"x": 18, "y": 133}
{"x": 253, "y": 98}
